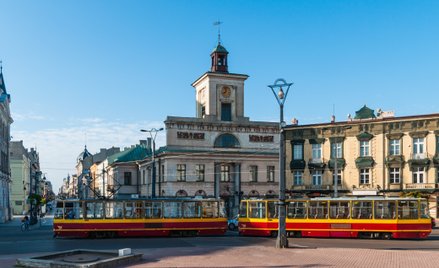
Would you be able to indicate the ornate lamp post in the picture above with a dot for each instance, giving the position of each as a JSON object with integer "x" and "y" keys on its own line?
{"x": 282, "y": 241}
{"x": 153, "y": 134}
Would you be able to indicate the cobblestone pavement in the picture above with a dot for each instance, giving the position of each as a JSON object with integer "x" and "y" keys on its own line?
{"x": 263, "y": 256}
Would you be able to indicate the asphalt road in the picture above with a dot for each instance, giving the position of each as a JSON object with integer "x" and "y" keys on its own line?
{"x": 40, "y": 239}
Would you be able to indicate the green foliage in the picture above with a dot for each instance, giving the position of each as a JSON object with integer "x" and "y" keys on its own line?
{"x": 414, "y": 194}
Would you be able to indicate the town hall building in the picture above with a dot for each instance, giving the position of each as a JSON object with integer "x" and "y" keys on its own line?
{"x": 219, "y": 152}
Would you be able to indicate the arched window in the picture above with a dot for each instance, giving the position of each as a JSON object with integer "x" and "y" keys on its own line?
{"x": 227, "y": 141}
{"x": 253, "y": 193}
{"x": 200, "y": 193}
{"x": 181, "y": 193}
{"x": 270, "y": 193}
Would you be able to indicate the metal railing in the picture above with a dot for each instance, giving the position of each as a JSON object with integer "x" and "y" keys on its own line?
{"x": 421, "y": 185}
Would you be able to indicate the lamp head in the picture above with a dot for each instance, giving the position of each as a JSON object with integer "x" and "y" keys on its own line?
{"x": 281, "y": 94}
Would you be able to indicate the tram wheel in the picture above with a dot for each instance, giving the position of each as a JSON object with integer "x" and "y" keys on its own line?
{"x": 274, "y": 234}
{"x": 386, "y": 236}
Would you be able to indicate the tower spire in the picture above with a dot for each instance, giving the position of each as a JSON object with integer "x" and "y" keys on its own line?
{"x": 218, "y": 23}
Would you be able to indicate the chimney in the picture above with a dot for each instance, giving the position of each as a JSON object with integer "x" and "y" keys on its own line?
{"x": 149, "y": 143}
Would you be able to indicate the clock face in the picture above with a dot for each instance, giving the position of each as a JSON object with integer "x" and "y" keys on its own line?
{"x": 226, "y": 91}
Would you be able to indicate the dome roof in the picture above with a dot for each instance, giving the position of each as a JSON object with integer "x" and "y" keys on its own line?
{"x": 83, "y": 155}
{"x": 219, "y": 49}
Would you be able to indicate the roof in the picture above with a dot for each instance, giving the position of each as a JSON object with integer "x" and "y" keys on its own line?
{"x": 83, "y": 155}
{"x": 364, "y": 113}
{"x": 134, "y": 153}
{"x": 219, "y": 49}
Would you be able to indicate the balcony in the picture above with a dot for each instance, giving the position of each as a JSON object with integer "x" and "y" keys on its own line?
{"x": 421, "y": 186}
{"x": 419, "y": 160}
{"x": 316, "y": 163}
{"x": 395, "y": 160}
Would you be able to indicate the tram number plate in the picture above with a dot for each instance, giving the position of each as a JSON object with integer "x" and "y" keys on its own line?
{"x": 340, "y": 226}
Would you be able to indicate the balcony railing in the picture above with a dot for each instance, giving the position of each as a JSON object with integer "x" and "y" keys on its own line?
{"x": 422, "y": 185}
{"x": 419, "y": 156}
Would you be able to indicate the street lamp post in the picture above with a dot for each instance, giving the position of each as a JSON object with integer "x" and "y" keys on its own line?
{"x": 153, "y": 134}
{"x": 282, "y": 241}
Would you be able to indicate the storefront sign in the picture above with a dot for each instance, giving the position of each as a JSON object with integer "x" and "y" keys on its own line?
{"x": 259, "y": 138}
{"x": 190, "y": 135}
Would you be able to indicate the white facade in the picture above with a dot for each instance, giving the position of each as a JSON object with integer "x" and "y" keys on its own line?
{"x": 220, "y": 152}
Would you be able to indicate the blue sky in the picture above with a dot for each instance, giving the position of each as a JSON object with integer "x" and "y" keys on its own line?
{"x": 95, "y": 72}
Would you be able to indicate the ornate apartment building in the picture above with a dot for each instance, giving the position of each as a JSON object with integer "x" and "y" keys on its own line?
{"x": 220, "y": 152}
{"x": 371, "y": 155}
{"x": 5, "y": 138}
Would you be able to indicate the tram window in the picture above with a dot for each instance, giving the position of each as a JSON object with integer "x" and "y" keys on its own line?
{"x": 296, "y": 210}
{"x": 153, "y": 210}
{"x": 210, "y": 209}
{"x": 138, "y": 209}
{"x": 243, "y": 210}
{"x": 129, "y": 210}
{"x": 59, "y": 211}
{"x": 424, "y": 210}
{"x": 172, "y": 209}
{"x": 191, "y": 209}
{"x": 318, "y": 210}
{"x": 73, "y": 210}
{"x": 362, "y": 210}
{"x": 113, "y": 210}
{"x": 272, "y": 210}
{"x": 256, "y": 209}
{"x": 339, "y": 209}
{"x": 94, "y": 210}
{"x": 385, "y": 210}
{"x": 408, "y": 209}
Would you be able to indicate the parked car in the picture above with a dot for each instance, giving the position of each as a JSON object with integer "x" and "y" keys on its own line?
{"x": 233, "y": 223}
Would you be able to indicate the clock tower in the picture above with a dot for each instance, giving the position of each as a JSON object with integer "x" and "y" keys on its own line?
{"x": 220, "y": 94}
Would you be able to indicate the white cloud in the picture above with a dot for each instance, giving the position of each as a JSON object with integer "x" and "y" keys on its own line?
{"x": 26, "y": 116}
{"x": 58, "y": 148}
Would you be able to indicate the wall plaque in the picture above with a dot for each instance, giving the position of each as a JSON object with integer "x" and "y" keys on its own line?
{"x": 190, "y": 135}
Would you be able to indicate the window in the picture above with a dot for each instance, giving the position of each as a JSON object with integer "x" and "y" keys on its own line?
{"x": 162, "y": 173}
{"x": 18, "y": 203}
{"x": 395, "y": 147}
{"x": 297, "y": 151}
{"x": 338, "y": 177}
{"x": 253, "y": 173}
{"x": 225, "y": 173}
{"x": 317, "y": 177}
{"x": 270, "y": 173}
{"x": 364, "y": 148}
{"x": 418, "y": 148}
{"x": 181, "y": 172}
{"x": 418, "y": 175}
{"x": 339, "y": 210}
{"x": 226, "y": 141}
{"x": 199, "y": 172}
{"x": 203, "y": 111}
{"x": 296, "y": 210}
{"x": 298, "y": 177}
{"x": 385, "y": 210}
{"x": 364, "y": 176}
{"x": 318, "y": 209}
{"x": 143, "y": 177}
{"x": 316, "y": 152}
{"x": 226, "y": 112}
{"x": 408, "y": 209}
{"x": 362, "y": 210}
{"x": 336, "y": 150}
{"x": 395, "y": 175}
{"x": 127, "y": 178}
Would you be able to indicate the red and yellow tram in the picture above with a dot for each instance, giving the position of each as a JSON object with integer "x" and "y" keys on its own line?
{"x": 129, "y": 218}
{"x": 374, "y": 217}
